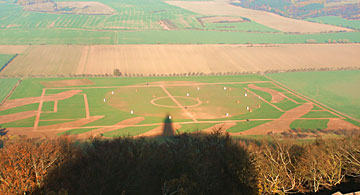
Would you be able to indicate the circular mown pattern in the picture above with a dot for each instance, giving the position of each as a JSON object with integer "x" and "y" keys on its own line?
{"x": 169, "y": 103}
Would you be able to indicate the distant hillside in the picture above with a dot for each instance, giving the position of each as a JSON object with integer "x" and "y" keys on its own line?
{"x": 349, "y": 9}
{"x": 30, "y": 2}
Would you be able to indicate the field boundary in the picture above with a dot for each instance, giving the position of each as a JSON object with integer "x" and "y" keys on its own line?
{"x": 319, "y": 104}
{"x": 11, "y": 92}
{"x": 37, "y": 129}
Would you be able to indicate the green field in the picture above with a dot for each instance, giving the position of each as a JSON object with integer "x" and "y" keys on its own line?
{"x": 336, "y": 89}
{"x": 137, "y": 22}
{"x": 7, "y": 84}
{"x": 206, "y": 98}
{"x": 338, "y": 21}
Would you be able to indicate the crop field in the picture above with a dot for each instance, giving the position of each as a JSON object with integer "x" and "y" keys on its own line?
{"x": 110, "y": 107}
{"x": 7, "y": 84}
{"x": 336, "y": 89}
{"x": 49, "y": 60}
{"x": 265, "y": 18}
{"x": 338, "y": 21}
{"x": 157, "y": 21}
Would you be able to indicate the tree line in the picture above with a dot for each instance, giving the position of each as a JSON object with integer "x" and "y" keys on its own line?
{"x": 181, "y": 164}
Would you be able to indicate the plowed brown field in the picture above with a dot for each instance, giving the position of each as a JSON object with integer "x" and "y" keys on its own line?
{"x": 165, "y": 59}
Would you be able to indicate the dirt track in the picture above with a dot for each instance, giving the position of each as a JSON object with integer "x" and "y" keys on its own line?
{"x": 17, "y": 116}
{"x": 96, "y": 132}
{"x": 340, "y": 124}
{"x": 276, "y": 95}
{"x": 31, "y": 100}
{"x": 281, "y": 124}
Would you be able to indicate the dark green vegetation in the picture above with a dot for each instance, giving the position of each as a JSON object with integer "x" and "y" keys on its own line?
{"x": 181, "y": 164}
{"x": 336, "y": 89}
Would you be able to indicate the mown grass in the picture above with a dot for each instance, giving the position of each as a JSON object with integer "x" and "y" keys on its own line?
{"x": 319, "y": 114}
{"x": 243, "y": 126}
{"x": 286, "y": 105}
{"x": 195, "y": 127}
{"x": 336, "y": 89}
{"x": 76, "y": 131}
{"x": 309, "y": 124}
{"x": 129, "y": 131}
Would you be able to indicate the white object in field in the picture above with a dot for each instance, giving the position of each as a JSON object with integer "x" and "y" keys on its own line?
{"x": 198, "y": 88}
{"x": 188, "y": 94}
{"x": 245, "y": 94}
{"x": 259, "y": 97}
{"x": 104, "y": 99}
{"x": 224, "y": 88}
{"x": 247, "y": 108}
{"x": 112, "y": 92}
{"x": 170, "y": 117}
{"x": 131, "y": 112}
{"x": 227, "y": 114}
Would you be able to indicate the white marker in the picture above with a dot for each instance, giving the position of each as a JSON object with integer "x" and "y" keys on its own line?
{"x": 224, "y": 88}
{"x": 259, "y": 97}
{"x": 245, "y": 94}
{"x": 170, "y": 117}
{"x": 131, "y": 112}
{"x": 104, "y": 99}
{"x": 188, "y": 94}
{"x": 227, "y": 114}
{"x": 112, "y": 92}
{"x": 198, "y": 88}
{"x": 247, "y": 108}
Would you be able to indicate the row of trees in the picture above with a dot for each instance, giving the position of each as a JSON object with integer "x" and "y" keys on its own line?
{"x": 181, "y": 164}
{"x": 120, "y": 74}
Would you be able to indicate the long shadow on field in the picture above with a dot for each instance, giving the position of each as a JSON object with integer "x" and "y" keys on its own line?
{"x": 178, "y": 164}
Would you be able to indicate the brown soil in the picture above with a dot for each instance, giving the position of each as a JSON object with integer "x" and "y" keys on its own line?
{"x": 157, "y": 131}
{"x": 173, "y": 58}
{"x": 120, "y": 125}
{"x": 223, "y": 127}
{"x": 17, "y": 116}
{"x": 51, "y": 130}
{"x": 337, "y": 124}
{"x": 281, "y": 124}
{"x": 276, "y": 95}
{"x": 69, "y": 125}
{"x": 12, "y": 49}
{"x": 25, "y": 101}
{"x": 67, "y": 83}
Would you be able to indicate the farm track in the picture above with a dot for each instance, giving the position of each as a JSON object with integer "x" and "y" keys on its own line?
{"x": 284, "y": 120}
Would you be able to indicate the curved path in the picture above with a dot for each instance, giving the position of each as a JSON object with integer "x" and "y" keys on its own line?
{"x": 281, "y": 124}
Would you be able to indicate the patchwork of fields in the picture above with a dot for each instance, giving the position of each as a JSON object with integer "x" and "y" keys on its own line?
{"x": 266, "y": 18}
{"x": 241, "y": 105}
{"x": 147, "y": 60}
{"x": 155, "y": 21}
